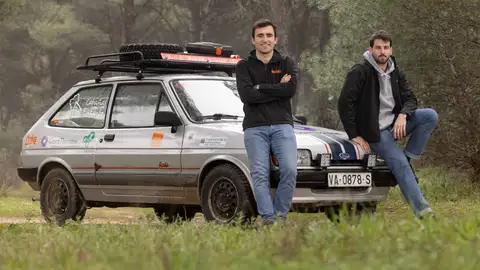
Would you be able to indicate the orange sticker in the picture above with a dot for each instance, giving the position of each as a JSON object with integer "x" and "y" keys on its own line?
{"x": 276, "y": 71}
{"x": 30, "y": 140}
{"x": 157, "y": 138}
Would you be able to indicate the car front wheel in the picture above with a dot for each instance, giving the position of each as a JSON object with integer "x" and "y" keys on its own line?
{"x": 226, "y": 196}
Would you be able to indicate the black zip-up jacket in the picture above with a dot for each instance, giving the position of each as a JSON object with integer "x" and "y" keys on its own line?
{"x": 359, "y": 101}
{"x": 270, "y": 103}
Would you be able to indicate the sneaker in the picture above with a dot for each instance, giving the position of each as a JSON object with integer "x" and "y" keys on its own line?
{"x": 428, "y": 215}
{"x": 268, "y": 222}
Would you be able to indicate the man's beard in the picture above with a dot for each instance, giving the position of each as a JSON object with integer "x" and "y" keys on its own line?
{"x": 379, "y": 61}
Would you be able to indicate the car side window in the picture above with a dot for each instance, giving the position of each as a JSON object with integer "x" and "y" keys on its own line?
{"x": 135, "y": 105}
{"x": 87, "y": 108}
{"x": 164, "y": 105}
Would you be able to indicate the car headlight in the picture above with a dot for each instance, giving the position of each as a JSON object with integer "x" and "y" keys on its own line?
{"x": 304, "y": 158}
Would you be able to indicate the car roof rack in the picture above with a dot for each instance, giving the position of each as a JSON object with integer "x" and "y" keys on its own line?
{"x": 169, "y": 63}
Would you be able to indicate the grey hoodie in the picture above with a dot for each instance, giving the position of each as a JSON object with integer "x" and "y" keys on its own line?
{"x": 387, "y": 102}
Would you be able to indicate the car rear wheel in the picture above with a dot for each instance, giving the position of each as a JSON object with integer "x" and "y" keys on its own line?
{"x": 226, "y": 196}
{"x": 60, "y": 199}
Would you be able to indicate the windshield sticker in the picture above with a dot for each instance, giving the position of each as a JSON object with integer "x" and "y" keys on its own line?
{"x": 75, "y": 104}
{"x": 56, "y": 141}
{"x": 213, "y": 142}
{"x": 157, "y": 138}
{"x": 93, "y": 106}
{"x": 31, "y": 140}
{"x": 87, "y": 139}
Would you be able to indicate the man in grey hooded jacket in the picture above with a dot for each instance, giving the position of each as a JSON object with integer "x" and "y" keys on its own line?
{"x": 377, "y": 107}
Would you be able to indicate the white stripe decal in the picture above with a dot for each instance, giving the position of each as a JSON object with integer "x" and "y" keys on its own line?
{"x": 326, "y": 144}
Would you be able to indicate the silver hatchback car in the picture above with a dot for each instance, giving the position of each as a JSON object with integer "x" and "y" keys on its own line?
{"x": 167, "y": 134}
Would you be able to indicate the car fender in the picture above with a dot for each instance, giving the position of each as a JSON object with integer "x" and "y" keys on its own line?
{"x": 235, "y": 161}
{"x": 54, "y": 160}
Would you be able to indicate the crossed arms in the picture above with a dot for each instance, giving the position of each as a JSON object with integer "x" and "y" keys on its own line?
{"x": 266, "y": 92}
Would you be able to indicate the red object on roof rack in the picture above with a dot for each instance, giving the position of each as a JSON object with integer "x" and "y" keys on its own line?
{"x": 199, "y": 58}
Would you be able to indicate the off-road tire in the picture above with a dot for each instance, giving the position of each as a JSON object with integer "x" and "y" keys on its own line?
{"x": 59, "y": 190}
{"x": 353, "y": 210}
{"x": 172, "y": 213}
{"x": 149, "y": 51}
{"x": 232, "y": 180}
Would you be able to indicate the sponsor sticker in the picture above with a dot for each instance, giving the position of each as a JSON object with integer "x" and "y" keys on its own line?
{"x": 87, "y": 139}
{"x": 56, "y": 141}
{"x": 157, "y": 138}
{"x": 213, "y": 142}
{"x": 31, "y": 140}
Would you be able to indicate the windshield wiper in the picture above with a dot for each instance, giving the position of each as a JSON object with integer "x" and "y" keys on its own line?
{"x": 218, "y": 116}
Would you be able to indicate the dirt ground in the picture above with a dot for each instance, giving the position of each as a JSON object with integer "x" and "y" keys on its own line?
{"x": 96, "y": 216}
{"x": 38, "y": 220}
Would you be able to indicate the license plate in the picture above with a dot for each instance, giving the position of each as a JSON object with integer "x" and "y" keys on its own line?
{"x": 349, "y": 179}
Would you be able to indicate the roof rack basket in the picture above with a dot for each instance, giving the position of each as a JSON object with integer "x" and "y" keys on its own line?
{"x": 168, "y": 64}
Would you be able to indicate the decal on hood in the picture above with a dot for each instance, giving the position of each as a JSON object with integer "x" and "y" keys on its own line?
{"x": 339, "y": 147}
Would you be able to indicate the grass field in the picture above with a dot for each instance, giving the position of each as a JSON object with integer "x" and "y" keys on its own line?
{"x": 390, "y": 239}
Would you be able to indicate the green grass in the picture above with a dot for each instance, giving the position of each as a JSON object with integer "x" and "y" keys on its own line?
{"x": 390, "y": 239}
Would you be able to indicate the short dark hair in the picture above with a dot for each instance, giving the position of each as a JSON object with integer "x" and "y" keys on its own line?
{"x": 380, "y": 34}
{"x": 264, "y": 23}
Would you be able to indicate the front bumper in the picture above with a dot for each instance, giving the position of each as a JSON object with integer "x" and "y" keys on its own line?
{"x": 316, "y": 178}
{"x": 312, "y": 186}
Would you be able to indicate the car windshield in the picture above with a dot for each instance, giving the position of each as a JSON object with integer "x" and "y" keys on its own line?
{"x": 210, "y": 99}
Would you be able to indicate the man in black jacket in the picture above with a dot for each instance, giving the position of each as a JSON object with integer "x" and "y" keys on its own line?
{"x": 266, "y": 82}
{"x": 378, "y": 107}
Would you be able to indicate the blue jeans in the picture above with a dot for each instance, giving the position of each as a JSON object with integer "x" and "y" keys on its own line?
{"x": 419, "y": 128}
{"x": 259, "y": 143}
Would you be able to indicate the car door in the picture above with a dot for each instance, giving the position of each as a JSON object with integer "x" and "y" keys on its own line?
{"x": 68, "y": 134}
{"x": 133, "y": 156}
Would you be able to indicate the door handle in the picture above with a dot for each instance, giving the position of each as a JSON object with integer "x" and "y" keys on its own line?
{"x": 109, "y": 137}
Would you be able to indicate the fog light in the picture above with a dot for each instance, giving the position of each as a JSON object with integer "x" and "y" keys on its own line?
{"x": 325, "y": 160}
{"x": 371, "y": 160}
{"x": 304, "y": 158}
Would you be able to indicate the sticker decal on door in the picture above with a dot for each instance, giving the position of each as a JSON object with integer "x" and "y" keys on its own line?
{"x": 87, "y": 139}
{"x": 157, "y": 138}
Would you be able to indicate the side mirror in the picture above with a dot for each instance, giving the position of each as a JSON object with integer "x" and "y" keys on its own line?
{"x": 167, "y": 119}
{"x": 302, "y": 118}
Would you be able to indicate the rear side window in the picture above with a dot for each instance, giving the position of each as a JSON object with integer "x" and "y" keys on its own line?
{"x": 135, "y": 105}
{"x": 87, "y": 108}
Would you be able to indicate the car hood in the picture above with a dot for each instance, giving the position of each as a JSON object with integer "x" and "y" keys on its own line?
{"x": 316, "y": 139}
